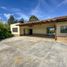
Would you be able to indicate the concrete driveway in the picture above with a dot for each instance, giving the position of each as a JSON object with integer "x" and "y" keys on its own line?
{"x": 32, "y": 52}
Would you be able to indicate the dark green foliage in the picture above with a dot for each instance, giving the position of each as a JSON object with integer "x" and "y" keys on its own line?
{"x": 33, "y": 18}
{"x": 21, "y": 20}
{"x": 4, "y": 31}
{"x": 16, "y": 21}
{"x": 11, "y": 20}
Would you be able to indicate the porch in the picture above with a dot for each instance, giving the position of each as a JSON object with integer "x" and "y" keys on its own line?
{"x": 40, "y": 30}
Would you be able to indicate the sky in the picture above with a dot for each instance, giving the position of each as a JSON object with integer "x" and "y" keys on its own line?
{"x": 43, "y": 9}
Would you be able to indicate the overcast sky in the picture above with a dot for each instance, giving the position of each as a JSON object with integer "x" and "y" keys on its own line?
{"x": 43, "y": 9}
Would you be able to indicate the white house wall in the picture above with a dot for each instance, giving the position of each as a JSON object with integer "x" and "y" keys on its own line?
{"x": 41, "y": 29}
{"x": 15, "y": 26}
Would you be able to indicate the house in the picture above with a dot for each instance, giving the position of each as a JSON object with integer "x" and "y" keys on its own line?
{"x": 55, "y": 27}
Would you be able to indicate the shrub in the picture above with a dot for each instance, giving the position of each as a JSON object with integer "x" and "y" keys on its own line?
{"x": 4, "y": 31}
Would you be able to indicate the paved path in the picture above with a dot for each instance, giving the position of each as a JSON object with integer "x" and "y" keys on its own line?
{"x": 32, "y": 52}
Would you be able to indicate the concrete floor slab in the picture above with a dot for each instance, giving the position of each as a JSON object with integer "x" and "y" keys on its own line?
{"x": 32, "y": 52}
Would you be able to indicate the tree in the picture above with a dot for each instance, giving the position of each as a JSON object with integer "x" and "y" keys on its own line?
{"x": 21, "y": 20}
{"x": 33, "y": 18}
{"x": 16, "y": 21}
{"x": 11, "y": 20}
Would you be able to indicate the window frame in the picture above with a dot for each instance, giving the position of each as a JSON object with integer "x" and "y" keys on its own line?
{"x": 14, "y": 29}
{"x": 62, "y": 30}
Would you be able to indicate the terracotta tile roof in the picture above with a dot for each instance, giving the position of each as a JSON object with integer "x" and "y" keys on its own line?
{"x": 62, "y": 18}
{"x": 56, "y": 19}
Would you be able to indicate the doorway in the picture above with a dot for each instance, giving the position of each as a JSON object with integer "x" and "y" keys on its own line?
{"x": 24, "y": 31}
{"x": 30, "y": 32}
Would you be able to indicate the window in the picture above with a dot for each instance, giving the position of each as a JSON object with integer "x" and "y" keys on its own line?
{"x": 15, "y": 29}
{"x": 51, "y": 30}
{"x": 63, "y": 29}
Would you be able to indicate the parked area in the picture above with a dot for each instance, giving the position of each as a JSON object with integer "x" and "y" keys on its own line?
{"x": 28, "y": 51}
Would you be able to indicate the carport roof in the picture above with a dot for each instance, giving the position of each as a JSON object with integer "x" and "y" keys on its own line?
{"x": 53, "y": 20}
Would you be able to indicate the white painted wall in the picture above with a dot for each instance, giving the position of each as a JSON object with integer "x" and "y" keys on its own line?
{"x": 41, "y": 29}
{"x": 37, "y": 29}
{"x": 15, "y": 26}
